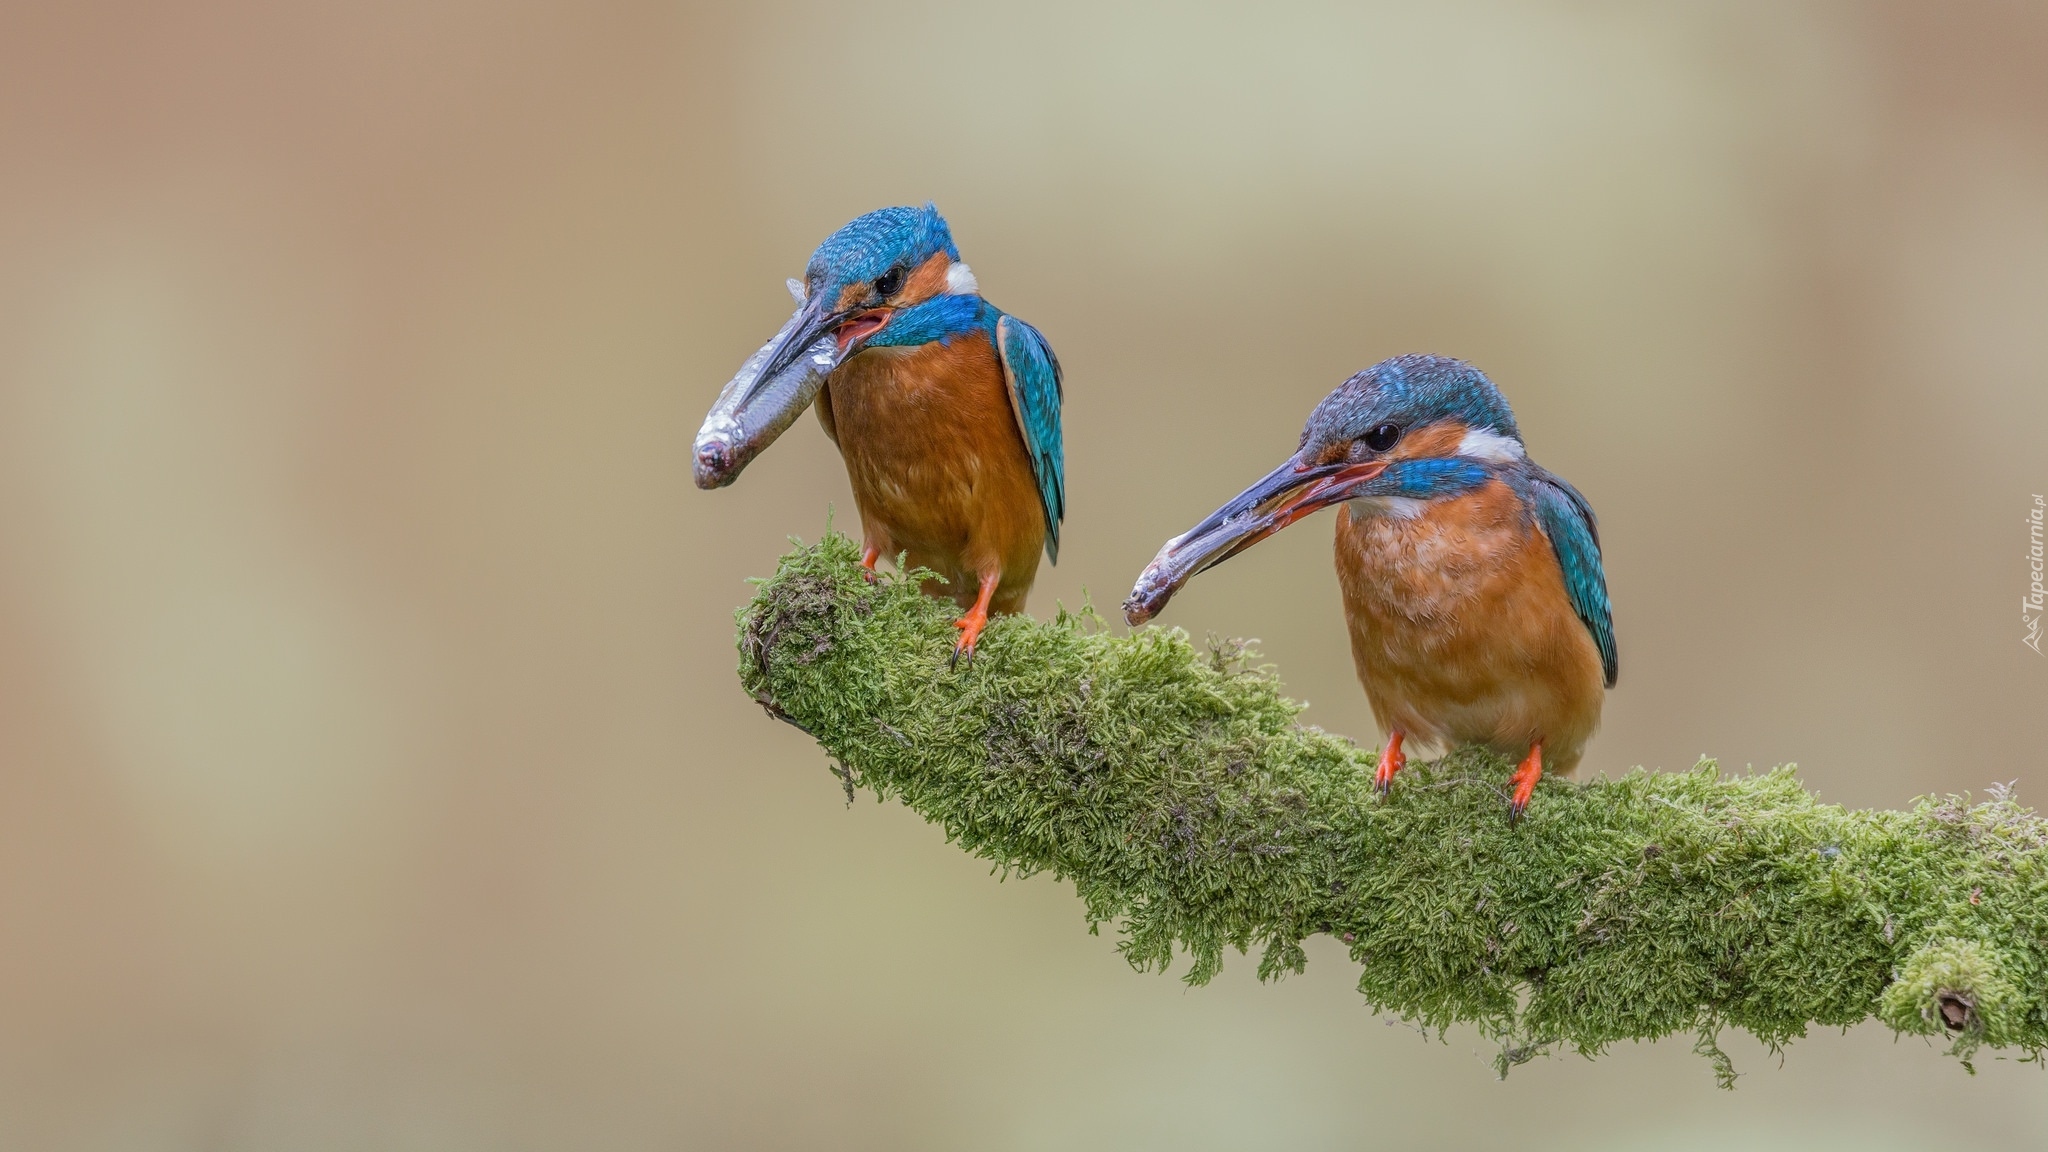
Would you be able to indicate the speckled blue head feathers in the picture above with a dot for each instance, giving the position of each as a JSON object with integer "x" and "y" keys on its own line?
{"x": 1410, "y": 392}
{"x": 872, "y": 245}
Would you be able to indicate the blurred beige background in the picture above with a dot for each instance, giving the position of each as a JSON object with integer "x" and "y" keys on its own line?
{"x": 372, "y": 773}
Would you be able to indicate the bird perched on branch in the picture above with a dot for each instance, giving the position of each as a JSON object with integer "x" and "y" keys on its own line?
{"x": 946, "y": 410}
{"x": 1472, "y": 581}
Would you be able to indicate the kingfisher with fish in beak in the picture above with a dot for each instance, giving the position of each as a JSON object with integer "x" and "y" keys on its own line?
{"x": 1471, "y": 577}
{"x": 945, "y": 409}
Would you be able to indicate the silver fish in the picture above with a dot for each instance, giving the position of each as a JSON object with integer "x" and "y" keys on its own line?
{"x": 751, "y": 412}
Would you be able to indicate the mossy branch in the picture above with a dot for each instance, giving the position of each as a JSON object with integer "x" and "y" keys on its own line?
{"x": 1175, "y": 790}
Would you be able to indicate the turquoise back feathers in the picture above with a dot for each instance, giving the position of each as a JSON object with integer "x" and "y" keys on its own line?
{"x": 1033, "y": 375}
{"x": 1575, "y": 536}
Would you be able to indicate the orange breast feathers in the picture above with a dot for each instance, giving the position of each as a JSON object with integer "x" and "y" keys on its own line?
{"x": 937, "y": 464}
{"x": 1461, "y": 629}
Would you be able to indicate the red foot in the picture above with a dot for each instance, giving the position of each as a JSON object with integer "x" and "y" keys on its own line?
{"x": 970, "y": 625}
{"x": 868, "y": 556}
{"x": 1527, "y": 773}
{"x": 1391, "y": 761}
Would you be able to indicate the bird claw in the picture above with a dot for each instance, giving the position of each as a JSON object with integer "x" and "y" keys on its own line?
{"x": 1527, "y": 773}
{"x": 1392, "y": 760}
{"x": 970, "y": 627}
{"x": 868, "y": 557}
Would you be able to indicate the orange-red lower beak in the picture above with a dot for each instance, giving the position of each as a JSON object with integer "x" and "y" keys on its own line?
{"x": 1319, "y": 493}
{"x": 858, "y": 328}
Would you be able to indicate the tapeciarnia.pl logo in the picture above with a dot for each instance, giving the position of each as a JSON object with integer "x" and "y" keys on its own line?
{"x": 2036, "y": 599}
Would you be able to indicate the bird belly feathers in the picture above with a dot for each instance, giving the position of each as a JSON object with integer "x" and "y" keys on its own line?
{"x": 937, "y": 465}
{"x": 1461, "y": 629}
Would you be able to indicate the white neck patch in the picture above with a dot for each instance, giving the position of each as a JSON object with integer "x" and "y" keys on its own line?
{"x": 1481, "y": 444}
{"x": 1392, "y": 507}
{"x": 960, "y": 280}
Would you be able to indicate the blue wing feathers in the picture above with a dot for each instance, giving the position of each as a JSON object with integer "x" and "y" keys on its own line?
{"x": 1575, "y": 535}
{"x": 1033, "y": 375}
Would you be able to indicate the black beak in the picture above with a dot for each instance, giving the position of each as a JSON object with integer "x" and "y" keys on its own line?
{"x": 812, "y": 323}
{"x": 1286, "y": 494}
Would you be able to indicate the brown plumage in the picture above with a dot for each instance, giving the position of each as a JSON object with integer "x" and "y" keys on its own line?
{"x": 1462, "y": 632}
{"x": 939, "y": 470}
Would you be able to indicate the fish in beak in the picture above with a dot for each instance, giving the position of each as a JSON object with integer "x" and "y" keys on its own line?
{"x": 771, "y": 390}
{"x": 778, "y": 382}
{"x": 1288, "y": 493}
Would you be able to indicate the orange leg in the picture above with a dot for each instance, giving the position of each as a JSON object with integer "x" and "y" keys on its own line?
{"x": 868, "y": 556}
{"x": 1527, "y": 773}
{"x": 1391, "y": 761}
{"x": 970, "y": 625}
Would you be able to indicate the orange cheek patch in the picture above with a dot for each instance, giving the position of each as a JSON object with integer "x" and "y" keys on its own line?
{"x": 925, "y": 281}
{"x": 1431, "y": 442}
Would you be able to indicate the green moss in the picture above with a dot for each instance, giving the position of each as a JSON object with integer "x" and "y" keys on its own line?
{"x": 1172, "y": 787}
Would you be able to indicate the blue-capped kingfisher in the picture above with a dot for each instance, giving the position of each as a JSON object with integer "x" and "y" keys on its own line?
{"x": 945, "y": 409}
{"x": 1471, "y": 577}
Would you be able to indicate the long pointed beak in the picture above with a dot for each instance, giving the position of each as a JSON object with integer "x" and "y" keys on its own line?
{"x": 1286, "y": 494}
{"x": 814, "y": 321}
{"x": 770, "y": 391}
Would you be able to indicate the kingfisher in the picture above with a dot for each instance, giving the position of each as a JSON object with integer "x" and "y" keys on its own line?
{"x": 945, "y": 409}
{"x": 1472, "y": 581}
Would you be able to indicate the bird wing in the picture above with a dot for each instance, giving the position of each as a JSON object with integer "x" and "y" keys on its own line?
{"x": 1575, "y": 535}
{"x": 1033, "y": 375}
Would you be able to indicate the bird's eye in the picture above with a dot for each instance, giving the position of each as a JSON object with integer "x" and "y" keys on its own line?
{"x": 888, "y": 282}
{"x": 1383, "y": 437}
